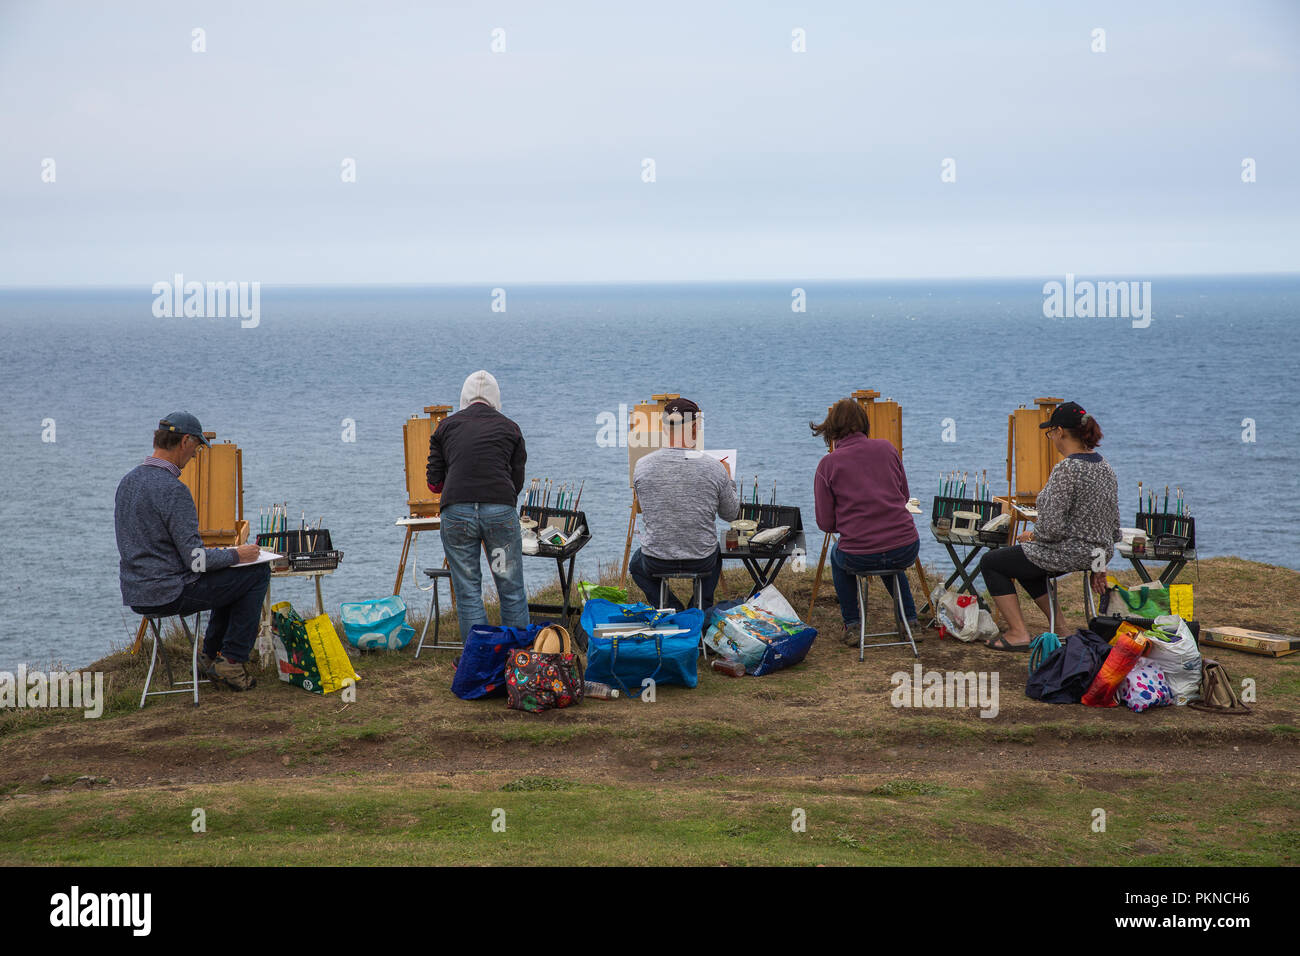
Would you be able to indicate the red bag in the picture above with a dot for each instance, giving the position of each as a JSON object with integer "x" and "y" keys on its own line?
{"x": 546, "y": 677}
{"x": 1121, "y": 659}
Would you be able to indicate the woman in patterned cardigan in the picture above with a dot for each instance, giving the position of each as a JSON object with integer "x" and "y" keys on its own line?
{"x": 1076, "y": 530}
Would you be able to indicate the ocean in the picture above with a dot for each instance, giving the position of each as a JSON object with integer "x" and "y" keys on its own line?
{"x": 1196, "y": 399}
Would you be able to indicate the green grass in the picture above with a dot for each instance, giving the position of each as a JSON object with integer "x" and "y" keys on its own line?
{"x": 1032, "y": 818}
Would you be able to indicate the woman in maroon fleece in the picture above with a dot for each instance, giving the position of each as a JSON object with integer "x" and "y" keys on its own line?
{"x": 861, "y": 494}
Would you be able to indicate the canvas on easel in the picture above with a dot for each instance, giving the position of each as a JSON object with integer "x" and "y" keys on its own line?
{"x": 421, "y": 503}
{"x": 215, "y": 479}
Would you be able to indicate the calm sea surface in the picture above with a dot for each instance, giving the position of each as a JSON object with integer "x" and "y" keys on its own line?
{"x": 1172, "y": 399}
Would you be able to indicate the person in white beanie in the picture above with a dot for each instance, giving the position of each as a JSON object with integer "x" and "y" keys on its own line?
{"x": 476, "y": 463}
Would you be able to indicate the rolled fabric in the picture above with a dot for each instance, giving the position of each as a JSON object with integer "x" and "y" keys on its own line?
{"x": 1121, "y": 659}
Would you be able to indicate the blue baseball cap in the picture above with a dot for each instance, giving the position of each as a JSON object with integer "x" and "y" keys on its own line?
{"x": 185, "y": 423}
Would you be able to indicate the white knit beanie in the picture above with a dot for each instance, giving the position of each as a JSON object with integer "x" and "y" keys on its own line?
{"x": 480, "y": 387}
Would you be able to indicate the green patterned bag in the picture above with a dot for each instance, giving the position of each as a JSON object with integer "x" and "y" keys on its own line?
{"x": 308, "y": 654}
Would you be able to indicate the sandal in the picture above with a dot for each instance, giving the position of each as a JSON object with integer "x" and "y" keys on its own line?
{"x": 1001, "y": 644}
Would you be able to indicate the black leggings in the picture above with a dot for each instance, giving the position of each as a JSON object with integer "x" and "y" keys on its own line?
{"x": 1001, "y": 566}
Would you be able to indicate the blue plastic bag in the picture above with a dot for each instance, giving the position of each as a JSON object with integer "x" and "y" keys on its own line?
{"x": 624, "y": 662}
{"x": 481, "y": 668}
{"x": 376, "y": 625}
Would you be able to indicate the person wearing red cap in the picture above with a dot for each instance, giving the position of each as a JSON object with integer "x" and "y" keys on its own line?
{"x": 1078, "y": 524}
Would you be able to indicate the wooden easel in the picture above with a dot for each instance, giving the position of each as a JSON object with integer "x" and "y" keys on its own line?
{"x": 643, "y": 437}
{"x": 1030, "y": 460}
{"x": 420, "y": 501}
{"x": 215, "y": 479}
{"x": 886, "y": 421}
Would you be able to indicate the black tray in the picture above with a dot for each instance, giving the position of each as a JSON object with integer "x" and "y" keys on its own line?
{"x": 770, "y": 516}
{"x": 575, "y": 519}
{"x": 944, "y": 506}
{"x": 294, "y": 544}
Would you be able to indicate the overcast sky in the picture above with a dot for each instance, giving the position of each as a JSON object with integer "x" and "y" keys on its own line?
{"x": 526, "y": 165}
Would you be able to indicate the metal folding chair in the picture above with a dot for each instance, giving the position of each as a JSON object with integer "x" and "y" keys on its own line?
{"x": 160, "y": 651}
{"x": 862, "y": 579}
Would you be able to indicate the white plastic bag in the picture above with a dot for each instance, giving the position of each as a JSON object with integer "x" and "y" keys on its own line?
{"x": 1172, "y": 646}
{"x": 966, "y": 622}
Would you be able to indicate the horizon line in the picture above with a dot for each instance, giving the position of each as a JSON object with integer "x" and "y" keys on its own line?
{"x": 91, "y": 287}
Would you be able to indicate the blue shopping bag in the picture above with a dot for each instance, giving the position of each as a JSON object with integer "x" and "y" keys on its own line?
{"x": 626, "y": 661}
{"x": 377, "y": 624}
{"x": 481, "y": 667}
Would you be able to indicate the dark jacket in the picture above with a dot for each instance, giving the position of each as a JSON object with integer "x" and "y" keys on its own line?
{"x": 1068, "y": 671}
{"x": 477, "y": 455}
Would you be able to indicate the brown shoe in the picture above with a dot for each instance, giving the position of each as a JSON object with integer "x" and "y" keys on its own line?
{"x": 231, "y": 674}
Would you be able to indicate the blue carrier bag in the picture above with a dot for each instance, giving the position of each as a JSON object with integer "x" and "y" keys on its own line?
{"x": 625, "y": 661}
{"x": 481, "y": 667}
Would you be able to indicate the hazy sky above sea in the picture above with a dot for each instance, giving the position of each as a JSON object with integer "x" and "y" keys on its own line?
{"x": 474, "y": 166}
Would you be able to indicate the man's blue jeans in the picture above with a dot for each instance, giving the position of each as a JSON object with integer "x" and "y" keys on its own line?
{"x": 846, "y": 585}
{"x": 469, "y": 529}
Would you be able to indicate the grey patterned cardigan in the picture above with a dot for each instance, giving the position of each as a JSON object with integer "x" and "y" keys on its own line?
{"x": 1078, "y": 513}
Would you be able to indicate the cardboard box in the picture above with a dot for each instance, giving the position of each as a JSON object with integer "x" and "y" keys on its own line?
{"x": 1251, "y": 642}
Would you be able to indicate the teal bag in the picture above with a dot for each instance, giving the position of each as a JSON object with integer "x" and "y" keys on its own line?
{"x": 376, "y": 625}
{"x": 625, "y": 662}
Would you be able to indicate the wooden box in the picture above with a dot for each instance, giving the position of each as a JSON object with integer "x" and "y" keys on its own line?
{"x": 215, "y": 478}
{"x": 416, "y": 432}
{"x": 1252, "y": 642}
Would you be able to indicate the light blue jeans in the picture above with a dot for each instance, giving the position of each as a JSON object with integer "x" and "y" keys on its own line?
{"x": 467, "y": 531}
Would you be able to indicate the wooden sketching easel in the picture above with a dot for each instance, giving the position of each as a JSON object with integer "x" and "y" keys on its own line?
{"x": 886, "y": 421}
{"x": 643, "y": 437}
{"x": 420, "y": 501}
{"x": 1030, "y": 460}
{"x": 215, "y": 479}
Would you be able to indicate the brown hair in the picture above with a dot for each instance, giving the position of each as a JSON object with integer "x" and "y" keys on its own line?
{"x": 1088, "y": 432}
{"x": 165, "y": 438}
{"x": 846, "y": 417}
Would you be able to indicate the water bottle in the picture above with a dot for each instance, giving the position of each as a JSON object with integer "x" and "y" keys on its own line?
{"x": 598, "y": 691}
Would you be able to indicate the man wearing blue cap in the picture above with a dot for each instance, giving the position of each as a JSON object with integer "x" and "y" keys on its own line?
{"x": 165, "y": 569}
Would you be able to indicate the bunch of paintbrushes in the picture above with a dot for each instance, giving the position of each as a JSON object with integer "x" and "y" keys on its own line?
{"x": 543, "y": 493}
{"x": 1155, "y": 517}
{"x": 955, "y": 483}
{"x": 753, "y": 507}
{"x": 273, "y": 527}
{"x": 275, "y": 534}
